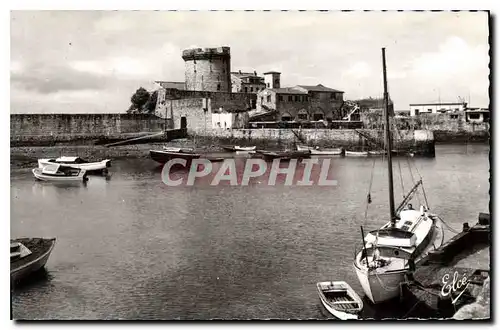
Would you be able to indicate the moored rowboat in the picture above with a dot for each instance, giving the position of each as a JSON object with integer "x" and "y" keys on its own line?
{"x": 28, "y": 255}
{"x": 60, "y": 173}
{"x": 339, "y": 299}
{"x": 356, "y": 153}
{"x": 164, "y": 156}
{"x": 76, "y": 162}
{"x": 239, "y": 148}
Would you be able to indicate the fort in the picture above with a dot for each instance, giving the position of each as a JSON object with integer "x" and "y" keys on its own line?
{"x": 218, "y": 105}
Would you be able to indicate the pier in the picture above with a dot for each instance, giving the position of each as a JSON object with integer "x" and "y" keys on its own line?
{"x": 466, "y": 256}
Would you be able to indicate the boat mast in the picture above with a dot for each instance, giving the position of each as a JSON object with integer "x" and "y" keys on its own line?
{"x": 388, "y": 142}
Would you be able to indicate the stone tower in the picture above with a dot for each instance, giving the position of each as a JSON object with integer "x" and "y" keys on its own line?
{"x": 272, "y": 79}
{"x": 208, "y": 69}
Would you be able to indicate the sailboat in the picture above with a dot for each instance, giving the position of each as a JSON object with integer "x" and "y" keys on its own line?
{"x": 389, "y": 253}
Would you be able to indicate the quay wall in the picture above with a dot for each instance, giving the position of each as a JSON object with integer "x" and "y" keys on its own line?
{"x": 418, "y": 141}
{"x": 46, "y": 129}
{"x": 447, "y": 128}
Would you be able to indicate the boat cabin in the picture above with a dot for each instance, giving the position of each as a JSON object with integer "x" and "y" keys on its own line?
{"x": 60, "y": 170}
{"x": 69, "y": 160}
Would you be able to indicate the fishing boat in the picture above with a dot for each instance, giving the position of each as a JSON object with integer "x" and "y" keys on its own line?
{"x": 177, "y": 149}
{"x": 76, "y": 162}
{"x": 317, "y": 151}
{"x": 239, "y": 148}
{"x": 60, "y": 173}
{"x": 389, "y": 253}
{"x": 377, "y": 152}
{"x": 284, "y": 155}
{"x": 356, "y": 153}
{"x": 339, "y": 299}
{"x": 28, "y": 255}
{"x": 162, "y": 157}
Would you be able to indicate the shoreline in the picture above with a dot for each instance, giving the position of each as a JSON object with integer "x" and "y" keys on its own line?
{"x": 27, "y": 156}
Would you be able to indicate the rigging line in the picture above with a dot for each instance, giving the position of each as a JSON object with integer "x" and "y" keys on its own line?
{"x": 369, "y": 198}
{"x": 401, "y": 179}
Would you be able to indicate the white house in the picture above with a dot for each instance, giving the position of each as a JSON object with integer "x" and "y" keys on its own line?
{"x": 420, "y": 108}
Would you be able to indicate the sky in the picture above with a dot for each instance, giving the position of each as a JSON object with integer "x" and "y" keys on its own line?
{"x": 93, "y": 61}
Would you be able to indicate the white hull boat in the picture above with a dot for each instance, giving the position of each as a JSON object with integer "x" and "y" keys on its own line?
{"x": 389, "y": 253}
{"x": 177, "y": 149}
{"x": 76, "y": 162}
{"x": 376, "y": 152}
{"x": 239, "y": 148}
{"x": 339, "y": 299}
{"x": 320, "y": 151}
{"x": 356, "y": 153}
{"x": 60, "y": 173}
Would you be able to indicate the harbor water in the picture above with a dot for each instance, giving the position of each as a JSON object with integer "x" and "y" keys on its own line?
{"x": 130, "y": 247}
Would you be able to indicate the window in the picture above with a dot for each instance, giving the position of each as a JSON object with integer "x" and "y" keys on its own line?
{"x": 280, "y": 97}
{"x": 456, "y": 109}
{"x": 276, "y": 82}
{"x": 429, "y": 110}
{"x": 296, "y": 98}
{"x": 417, "y": 112}
{"x": 261, "y": 99}
{"x": 218, "y": 87}
{"x": 251, "y": 89}
{"x": 318, "y": 116}
{"x": 246, "y": 90}
{"x": 269, "y": 98}
{"x": 267, "y": 85}
{"x": 302, "y": 116}
{"x": 474, "y": 116}
{"x": 453, "y": 116}
{"x": 286, "y": 117}
{"x": 333, "y": 96}
{"x": 290, "y": 98}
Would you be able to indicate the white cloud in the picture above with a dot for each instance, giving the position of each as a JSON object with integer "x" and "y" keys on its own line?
{"x": 453, "y": 56}
{"x": 358, "y": 70}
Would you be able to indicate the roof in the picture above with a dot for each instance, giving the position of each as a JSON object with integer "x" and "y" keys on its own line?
{"x": 287, "y": 90}
{"x": 450, "y": 103}
{"x": 270, "y": 72}
{"x": 319, "y": 88}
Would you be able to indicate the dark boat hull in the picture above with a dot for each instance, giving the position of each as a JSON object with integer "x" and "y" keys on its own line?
{"x": 40, "y": 248}
{"x": 284, "y": 155}
{"x": 164, "y": 156}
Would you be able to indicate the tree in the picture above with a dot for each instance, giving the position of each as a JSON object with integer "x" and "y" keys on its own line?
{"x": 150, "y": 105}
{"x": 143, "y": 102}
{"x": 138, "y": 100}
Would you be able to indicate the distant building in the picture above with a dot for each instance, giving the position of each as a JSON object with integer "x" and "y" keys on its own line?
{"x": 477, "y": 115}
{"x": 272, "y": 79}
{"x": 420, "y": 108}
{"x": 246, "y": 82}
{"x": 301, "y": 103}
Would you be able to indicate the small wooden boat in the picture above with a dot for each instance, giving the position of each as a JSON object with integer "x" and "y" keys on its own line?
{"x": 356, "y": 153}
{"x": 340, "y": 300}
{"x": 317, "y": 151}
{"x": 284, "y": 155}
{"x": 28, "y": 255}
{"x": 60, "y": 173}
{"x": 76, "y": 162}
{"x": 176, "y": 149}
{"x": 162, "y": 157}
{"x": 377, "y": 152}
{"x": 239, "y": 148}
